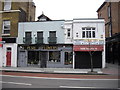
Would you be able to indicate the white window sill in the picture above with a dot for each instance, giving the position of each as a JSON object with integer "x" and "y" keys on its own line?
{"x": 5, "y": 11}
{"x": 5, "y": 34}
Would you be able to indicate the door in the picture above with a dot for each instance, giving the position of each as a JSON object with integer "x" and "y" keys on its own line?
{"x": 22, "y": 60}
{"x": 44, "y": 58}
{"x": 8, "y": 57}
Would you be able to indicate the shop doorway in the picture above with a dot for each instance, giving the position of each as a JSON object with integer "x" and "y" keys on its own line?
{"x": 8, "y": 57}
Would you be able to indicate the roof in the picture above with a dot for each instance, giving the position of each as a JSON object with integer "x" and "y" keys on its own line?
{"x": 101, "y": 6}
{"x": 42, "y": 16}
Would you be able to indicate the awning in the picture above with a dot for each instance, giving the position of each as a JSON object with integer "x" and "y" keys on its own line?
{"x": 88, "y": 48}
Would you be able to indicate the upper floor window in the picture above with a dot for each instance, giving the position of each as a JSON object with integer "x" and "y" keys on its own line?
{"x": 88, "y": 32}
{"x": 52, "y": 33}
{"x": 109, "y": 12}
{"x": 68, "y": 33}
{"x": 7, "y": 5}
{"x": 110, "y": 30}
{"x": 6, "y": 27}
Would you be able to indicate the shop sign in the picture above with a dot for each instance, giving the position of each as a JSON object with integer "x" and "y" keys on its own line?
{"x": 40, "y": 47}
{"x": 49, "y": 47}
{"x": 88, "y": 48}
{"x": 88, "y": 42}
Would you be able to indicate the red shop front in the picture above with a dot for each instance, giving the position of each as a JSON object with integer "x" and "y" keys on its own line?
{"x": 82, "y": 56}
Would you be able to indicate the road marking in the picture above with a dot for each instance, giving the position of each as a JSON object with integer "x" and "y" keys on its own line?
{"x": 53, "y": 78}
{"x": 16, "y": 83}
{"x": 84, "y": 87}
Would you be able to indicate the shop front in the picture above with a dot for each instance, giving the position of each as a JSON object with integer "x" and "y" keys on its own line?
{"x": 82, "y": 56}
{"x": 45, "y": 56}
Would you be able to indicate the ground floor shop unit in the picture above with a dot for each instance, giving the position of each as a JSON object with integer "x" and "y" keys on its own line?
{"x": 83, "y": 57}
{"x": 45, "y": 56}
{"x": 113, "y": 49}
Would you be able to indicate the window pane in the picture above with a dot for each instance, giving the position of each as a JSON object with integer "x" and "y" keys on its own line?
{"x": 93, "y": 32}
{"x": 83, "y": 34}
{"x": 7, "y": 4}
{"x": 88, "y": 28}
{"x": 76, "y": 34}
{"x": 6, "y": 31}
{"x": 68, "y": 32}
{"x": 87, "y": 34}
{"x": 6, "y": 27}
{"x": 83, "y": 28}
{"x": 54, "y": 56}
{"x": 39, "y": 34}
{"x": 93, "y": 28}
{"x": 68, "y": 58}
{"x": 52, "y": 33}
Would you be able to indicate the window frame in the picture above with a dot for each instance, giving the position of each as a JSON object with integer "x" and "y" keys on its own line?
{"x": 8, "y": 25}
{"x": 68, "y": 33}
{"x": 88, "y": 32}
{"x": 7, "y": 5}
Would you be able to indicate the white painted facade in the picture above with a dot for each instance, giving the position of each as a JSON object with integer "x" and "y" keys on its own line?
{"x": 1, "y": 56}
{"x": 13, "y": 47}
{"x": 76, "y": 37}
{"x": 68, "y": 26}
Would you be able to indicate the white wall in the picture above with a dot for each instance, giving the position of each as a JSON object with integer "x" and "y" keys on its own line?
{"x": 100, "y": 32}
{"x": 1, "y": 56}
{"x": 34, "y": 27}
{"x": 68, "y": 25}
{"x": 13, "y": 54}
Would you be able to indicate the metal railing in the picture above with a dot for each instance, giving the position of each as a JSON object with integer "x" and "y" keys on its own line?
{"x": 52, "y": 40}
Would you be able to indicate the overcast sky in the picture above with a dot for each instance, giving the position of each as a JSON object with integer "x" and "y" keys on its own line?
{"x": 68, "y": 9}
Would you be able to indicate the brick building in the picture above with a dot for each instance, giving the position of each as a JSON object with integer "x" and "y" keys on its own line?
{"x": 110, "y": 11}
{"x": 12, "y": 12}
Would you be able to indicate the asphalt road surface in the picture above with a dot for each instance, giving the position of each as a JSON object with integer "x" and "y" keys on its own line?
{"x": 11, "y": 81}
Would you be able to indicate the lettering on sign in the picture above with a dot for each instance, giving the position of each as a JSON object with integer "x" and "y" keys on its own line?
{"x": 49, "y": 47}
{"x": 31, "y": 47}
{"x": 41, "y": 47}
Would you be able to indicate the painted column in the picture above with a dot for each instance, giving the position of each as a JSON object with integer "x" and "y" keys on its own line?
{"x": 73, "y": 60}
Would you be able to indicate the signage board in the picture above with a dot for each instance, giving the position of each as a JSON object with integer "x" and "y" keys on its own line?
{"x": 88, "y": 48}
{"x": 88, "y": 42}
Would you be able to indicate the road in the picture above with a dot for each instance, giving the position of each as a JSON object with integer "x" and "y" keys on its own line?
{"x": 13, "y": 81}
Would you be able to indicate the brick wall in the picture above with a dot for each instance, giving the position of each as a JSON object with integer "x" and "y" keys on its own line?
{"x": 115, "y": 16}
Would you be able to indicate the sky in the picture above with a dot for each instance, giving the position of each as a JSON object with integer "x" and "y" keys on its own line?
{"x": 67, "y": 9}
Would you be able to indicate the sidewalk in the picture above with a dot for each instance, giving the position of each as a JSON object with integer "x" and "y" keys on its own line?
{"x": 110, "y": 70}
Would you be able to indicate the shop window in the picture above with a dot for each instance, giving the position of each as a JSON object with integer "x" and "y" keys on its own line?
{"x": 54, "y": 56}
{"x": 68, "y": 58}
{"x": 6, "y": 27}
{"x": 88, "y": 32}
{"x": 7, "y": 5}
